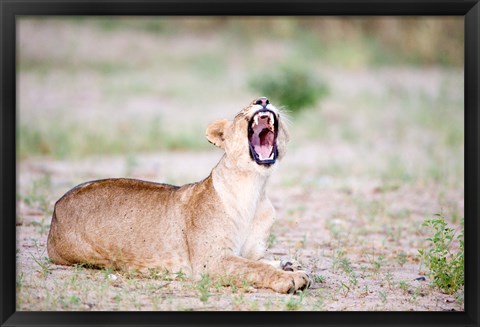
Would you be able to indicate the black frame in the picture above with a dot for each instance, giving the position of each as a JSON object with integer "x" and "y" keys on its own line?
{"x": 10, "y": 9}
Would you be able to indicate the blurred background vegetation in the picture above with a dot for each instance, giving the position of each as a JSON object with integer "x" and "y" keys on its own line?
{"x": 127, "y": 85}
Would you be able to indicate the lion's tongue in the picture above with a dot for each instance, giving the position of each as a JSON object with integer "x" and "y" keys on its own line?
{"x": 264, "y": 144}
{"x": 263, "y": 151}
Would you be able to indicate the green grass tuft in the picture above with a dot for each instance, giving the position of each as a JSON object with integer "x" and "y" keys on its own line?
{"x": 203, "y": 288}
{"x": 291, "y": 86}
{"x": 446, "y": 264}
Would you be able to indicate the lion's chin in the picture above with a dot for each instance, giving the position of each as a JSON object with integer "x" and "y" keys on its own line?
{"x": 262, "y": 137}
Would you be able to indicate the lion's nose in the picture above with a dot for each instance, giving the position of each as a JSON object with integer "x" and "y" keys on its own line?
{"x": 263, "y": 101}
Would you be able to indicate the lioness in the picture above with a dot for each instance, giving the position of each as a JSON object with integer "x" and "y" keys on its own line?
{"x": 217, "y": 226}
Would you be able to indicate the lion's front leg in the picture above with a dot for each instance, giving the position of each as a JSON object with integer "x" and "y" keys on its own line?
{"x": 256, "y": 243}
{"x": 262, "y": 275}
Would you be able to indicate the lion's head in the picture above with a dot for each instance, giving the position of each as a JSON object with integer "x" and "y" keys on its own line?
{"x": 256, "y": 138}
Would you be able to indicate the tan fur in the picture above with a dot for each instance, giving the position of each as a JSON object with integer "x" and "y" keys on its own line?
{"x": 217, "y": 226}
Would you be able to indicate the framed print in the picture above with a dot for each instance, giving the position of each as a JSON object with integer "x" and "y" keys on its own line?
{"x": 272, "y": 163}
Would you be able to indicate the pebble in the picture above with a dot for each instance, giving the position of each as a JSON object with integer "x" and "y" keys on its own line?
{"x": 420, "y": 279}
{"x": 112, "y": 277}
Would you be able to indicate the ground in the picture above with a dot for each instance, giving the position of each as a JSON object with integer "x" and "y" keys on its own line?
{"x": 359, "y": 239}
{"x": 365, "y": 168}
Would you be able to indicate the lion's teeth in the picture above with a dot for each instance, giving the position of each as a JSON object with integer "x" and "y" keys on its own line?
{"x": 264, "y": 115}
{"x": 271, "y": 120}
{"x": 260, "y": 156}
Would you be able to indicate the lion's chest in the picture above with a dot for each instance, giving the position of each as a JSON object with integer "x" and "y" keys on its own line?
{"x": 239, "y": 201}
{"x": 240, "y": 214}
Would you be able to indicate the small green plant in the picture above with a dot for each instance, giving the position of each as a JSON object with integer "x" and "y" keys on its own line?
{"x": 377, "y": 263}
{"x": 383, "y": 296}
{"x": 403, "y": 285}
{"x": 445, "y": 264}
{"x": 389, "y": 279}
{"x": 44, "y": 265}
{"x": 318, "y": 279}
{"x": 156, "y": 274}
{"x": 339, "y": 260}
{"x": 346, "y": 265}
{"x": 19, "y": 281}
{"x": 203, "y": 287}
{"x": 36, "y": 196}
{"x": 402, "y": 258}
{"x": 180, "y": 276}
{"x": 294, "y": 302}
{"x": 74, "y": 300}
{"x": 42, "y": 225}
{"x": 291, "y": 86}
{"x": 226, "y": 280}
{"x": 272, "y": 239}
{"x": 353, "y": 278}
{"x": 246, "y": 285}
{"x": 254, "y": 306}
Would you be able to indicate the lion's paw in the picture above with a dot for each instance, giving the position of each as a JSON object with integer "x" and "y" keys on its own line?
{"x": 291, "y": 282}
{"x": 302, "y": 280}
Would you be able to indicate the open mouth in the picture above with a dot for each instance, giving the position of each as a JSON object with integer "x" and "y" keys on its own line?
{"x": 262, "y": 137}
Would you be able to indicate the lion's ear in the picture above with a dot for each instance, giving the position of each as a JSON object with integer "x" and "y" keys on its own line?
{"x": 215, "y": 132}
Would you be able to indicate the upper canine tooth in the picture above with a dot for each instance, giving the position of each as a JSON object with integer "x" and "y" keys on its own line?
{"x": 255, "y": 119}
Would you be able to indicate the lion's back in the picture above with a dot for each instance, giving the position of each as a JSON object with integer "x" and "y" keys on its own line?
{"x": 117, "y": 220}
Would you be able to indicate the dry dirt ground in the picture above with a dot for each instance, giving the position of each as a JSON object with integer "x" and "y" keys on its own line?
{"x": 359, "y": 238}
